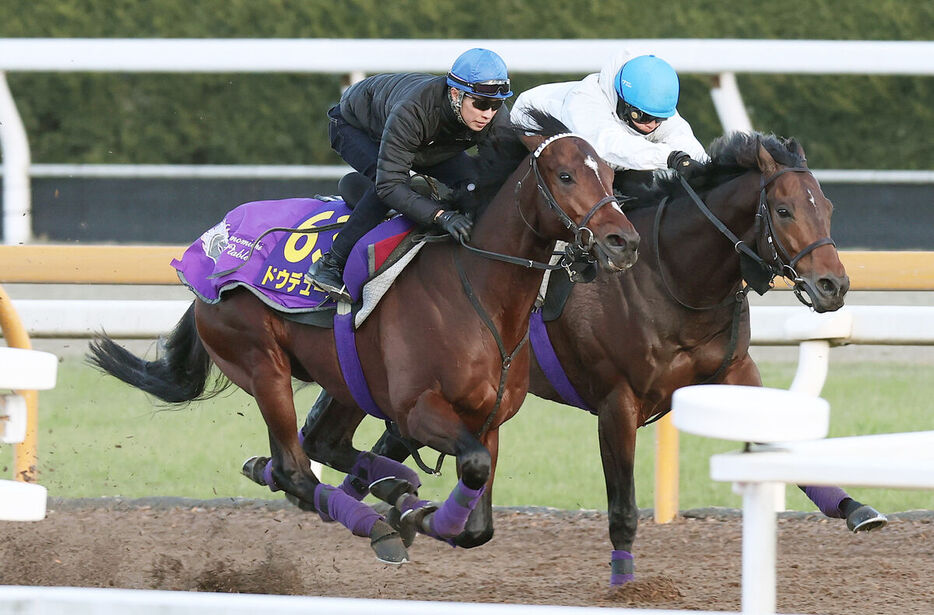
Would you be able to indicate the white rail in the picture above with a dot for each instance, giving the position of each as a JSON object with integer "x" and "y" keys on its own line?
{"x": 19, "y": 600}
{"x": 354, "y": 57}
{"x": 771, "y": 325}
{"x": 336, "y": 171}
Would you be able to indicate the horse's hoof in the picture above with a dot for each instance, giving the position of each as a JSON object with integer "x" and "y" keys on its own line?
{"x": 865, "y": 519}
{"x": 406, "y": 530}
{"x": 253, "y": 469}
{"x": 415, "y": 520}
{"x": 390, "y": 489}
{"x": 387, "y": 544}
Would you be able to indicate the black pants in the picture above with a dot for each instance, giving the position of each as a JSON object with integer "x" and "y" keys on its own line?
{"x": 361, "y": 152}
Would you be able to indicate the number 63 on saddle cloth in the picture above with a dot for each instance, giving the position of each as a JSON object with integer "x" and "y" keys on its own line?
{"x": 242, "y": 250}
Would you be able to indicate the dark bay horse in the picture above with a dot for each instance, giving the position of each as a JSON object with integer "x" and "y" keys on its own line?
{"x": 444, "y": 352}
{"x": 678, "y": 317}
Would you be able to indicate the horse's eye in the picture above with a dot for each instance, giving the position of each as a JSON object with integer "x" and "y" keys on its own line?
{"x": 565, "y": 177}
{"x": 783, "y": 212}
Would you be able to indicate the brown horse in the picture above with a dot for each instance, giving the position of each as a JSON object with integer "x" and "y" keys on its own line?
{"x": 678, "y": 317}
{"x": 681, "y": 317}
{"x": 436, "y": 353}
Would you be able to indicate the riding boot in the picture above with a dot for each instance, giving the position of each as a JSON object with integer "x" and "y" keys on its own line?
{"x": 328, "y": 274}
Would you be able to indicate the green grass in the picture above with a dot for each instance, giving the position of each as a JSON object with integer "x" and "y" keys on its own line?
{"x": 99, "y": 437}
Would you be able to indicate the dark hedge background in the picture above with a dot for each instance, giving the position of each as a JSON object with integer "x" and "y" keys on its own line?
{"x": 843, "y": 121}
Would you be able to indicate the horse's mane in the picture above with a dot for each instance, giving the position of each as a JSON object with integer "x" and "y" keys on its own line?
{"x": 730, "y": 156}
{"x": 507, "y": 151}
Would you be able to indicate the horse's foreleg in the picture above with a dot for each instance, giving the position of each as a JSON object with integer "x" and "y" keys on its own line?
{"x": 834, "y": 502}
{"x": 435, "y": 422}
{"x": 479, "y": 527}
{"x": 617, "y": 430}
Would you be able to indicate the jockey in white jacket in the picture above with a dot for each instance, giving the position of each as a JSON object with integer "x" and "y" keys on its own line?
{"x": 627, "y": 112}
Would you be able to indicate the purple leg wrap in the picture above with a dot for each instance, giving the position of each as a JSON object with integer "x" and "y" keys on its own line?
{"x": 449, "y": 520}
{"x": 267, "y": 476}
{"x": 355, "y": 516}
{"x": 622, "y": 569}
{"x": 827, "y": 499}
{"x": 370, "y": 468}
{"x": 411, "y": 502}
{"x": 353, "y": 488}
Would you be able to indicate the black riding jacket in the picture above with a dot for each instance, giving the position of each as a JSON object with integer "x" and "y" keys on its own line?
{"x": 410, "y": 116}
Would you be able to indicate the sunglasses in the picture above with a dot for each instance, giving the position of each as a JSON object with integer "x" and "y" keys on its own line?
{"x": 482, "y": 104}
{"x": 485, "y": 88}
{"x": 627, "y": 111}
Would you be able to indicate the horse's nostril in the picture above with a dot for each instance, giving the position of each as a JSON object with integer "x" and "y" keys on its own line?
{"x": 827, "y": 286}
{"x": 622, "y": 243}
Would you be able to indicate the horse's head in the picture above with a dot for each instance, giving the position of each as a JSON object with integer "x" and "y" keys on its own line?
{"x": 577, "y": 185}
{"x": 794, "y": 229}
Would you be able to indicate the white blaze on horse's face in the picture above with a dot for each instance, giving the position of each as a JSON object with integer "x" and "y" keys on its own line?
{"x": 595, "y": 167}
{"x": 811, "y": 198}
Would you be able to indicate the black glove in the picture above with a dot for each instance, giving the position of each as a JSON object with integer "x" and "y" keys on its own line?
{"x": 686, "y": 166}
{"x": 455, "y": 223}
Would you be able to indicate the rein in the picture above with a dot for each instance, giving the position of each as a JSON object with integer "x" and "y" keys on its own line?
{"x": 779, "y": 262}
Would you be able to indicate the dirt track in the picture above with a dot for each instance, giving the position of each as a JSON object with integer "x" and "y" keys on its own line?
{"x": 536, "y": 557}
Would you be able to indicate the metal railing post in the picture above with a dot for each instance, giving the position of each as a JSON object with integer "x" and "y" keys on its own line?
{"x": 25, "y": 454}
{"x": 17, "y": 212}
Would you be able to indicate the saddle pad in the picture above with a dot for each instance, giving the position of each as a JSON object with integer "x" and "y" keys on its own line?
{"x": 243, "y": 251}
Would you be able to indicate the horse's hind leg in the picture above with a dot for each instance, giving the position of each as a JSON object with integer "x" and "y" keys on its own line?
{"x": 327, "y": 436}
{"x": 834, "y": 502}
{"x": 259, "y": 366}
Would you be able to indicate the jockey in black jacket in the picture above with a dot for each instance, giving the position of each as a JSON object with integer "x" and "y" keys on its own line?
{"x": 388, "y": 125}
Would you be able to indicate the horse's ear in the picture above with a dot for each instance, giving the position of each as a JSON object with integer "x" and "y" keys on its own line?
{"x": 531, "y": 141}
{"x": 793, "y": 146}
{"x": 767, "y": 164}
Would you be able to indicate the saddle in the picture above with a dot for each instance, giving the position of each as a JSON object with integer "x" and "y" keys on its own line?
{"x": 266, "y": 248}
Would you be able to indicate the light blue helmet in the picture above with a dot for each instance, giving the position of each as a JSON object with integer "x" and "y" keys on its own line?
{"x": 649, "y": 84}
{"x": 480, "y": 72}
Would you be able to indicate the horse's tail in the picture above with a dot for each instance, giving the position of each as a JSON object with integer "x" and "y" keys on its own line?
{"x": 177, "y": 377}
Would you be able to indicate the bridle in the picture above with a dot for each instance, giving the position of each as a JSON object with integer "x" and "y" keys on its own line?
{"x": 579, "y": 250}
{"x": 780, "y": 262}
{"x": 579, "y": 230}
{"x": 777, "y": 262}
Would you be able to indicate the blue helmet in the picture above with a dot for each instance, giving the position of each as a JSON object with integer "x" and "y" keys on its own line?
{"x": 649, "y": 84}
{"x": 480, "y": 72}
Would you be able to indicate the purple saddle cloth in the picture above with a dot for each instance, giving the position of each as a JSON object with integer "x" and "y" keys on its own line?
{"x": 242, "y": 251}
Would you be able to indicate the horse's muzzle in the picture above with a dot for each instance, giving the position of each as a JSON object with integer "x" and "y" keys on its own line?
{"x": 825, "y": 294}
{"x": 617, "y": 252}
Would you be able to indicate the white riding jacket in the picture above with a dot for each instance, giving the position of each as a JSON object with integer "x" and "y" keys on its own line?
{"x": 588, "y": 108}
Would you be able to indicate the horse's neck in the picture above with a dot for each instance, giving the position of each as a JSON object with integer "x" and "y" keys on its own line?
{"x": 701, "y": 263}
{"x": 507, "y": 288}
